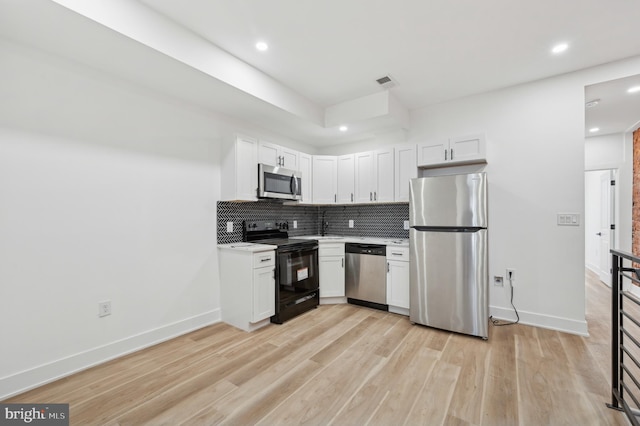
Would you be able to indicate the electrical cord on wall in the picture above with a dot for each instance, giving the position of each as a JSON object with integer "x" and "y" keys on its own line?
{"x": 501, "y": 323}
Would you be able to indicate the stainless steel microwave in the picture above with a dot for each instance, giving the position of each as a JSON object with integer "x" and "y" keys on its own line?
{"x": 278, "y": 182}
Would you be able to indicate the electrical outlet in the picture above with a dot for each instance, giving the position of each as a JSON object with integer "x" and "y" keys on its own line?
{"x": 511, "y": 275}
{"x": 498, "y": 282}
{"x": 350, "y": 223}
{"x": 229, "y": 226}
{"x": 295, "y": 224}
{"x": 104, "y": 308}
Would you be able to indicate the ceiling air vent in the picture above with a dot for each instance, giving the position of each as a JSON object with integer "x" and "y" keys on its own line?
{"x": 386, "y": 82}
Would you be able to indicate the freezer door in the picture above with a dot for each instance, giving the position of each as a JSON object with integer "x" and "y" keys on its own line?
{"x": 449, "y": 201}
{"x": 448, "y": 280}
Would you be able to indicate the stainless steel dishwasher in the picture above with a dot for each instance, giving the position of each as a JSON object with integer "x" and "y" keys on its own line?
{"x": 366, "y": 275}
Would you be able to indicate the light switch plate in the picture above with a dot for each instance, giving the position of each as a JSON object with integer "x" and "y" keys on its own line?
{"x": 229, "y": 226}
{"x": 350, "y": 223}
{"x": 568, "y": 219}
{"x": 406, "y": 224}
{"x": 295, "y": 224}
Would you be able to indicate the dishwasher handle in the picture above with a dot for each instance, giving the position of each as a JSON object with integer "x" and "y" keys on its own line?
{"x": 366, "y": 249}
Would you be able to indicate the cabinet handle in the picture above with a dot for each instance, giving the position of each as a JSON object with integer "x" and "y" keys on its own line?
{"x": 445, "y": 154}
{"x": 343, "y": 262}
{"x": 388, "y": 267}
{"x": 335, "y": 198}
{"x": 396, "y": 254}
{"x": 266, "y": 259}
{"x": 375, "y": 196}
{"x": 370, "y": 196}
{"x": 452, "y": 153}
{"x": 352, "y": 197}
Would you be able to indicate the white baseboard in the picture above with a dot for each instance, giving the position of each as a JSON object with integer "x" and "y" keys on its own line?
{"x": 565, "y": 325}
{"x": 46, "y": 373}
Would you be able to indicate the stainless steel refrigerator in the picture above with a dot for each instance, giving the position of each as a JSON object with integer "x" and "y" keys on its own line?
{"x": 448, "y": 253}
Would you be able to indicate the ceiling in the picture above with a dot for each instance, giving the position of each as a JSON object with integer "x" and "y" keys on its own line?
{"x": 328, "y": 53}
{"x": 615, "y": 110}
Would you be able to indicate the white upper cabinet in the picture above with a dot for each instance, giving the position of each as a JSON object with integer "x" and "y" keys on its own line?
{"x": 406, "y": 168}
{"x": 324, "y": 182}
{"x": 346, "y": 179}
{"x": 276, "y": 155}
{"x": 304, "y": 165}
{"x": 383, "y": 175}
{"x": 374, "y": 176}
{"x": 240, "y": 169}
{"x": 452, "y": 151}
{"x": 364, "y": 184}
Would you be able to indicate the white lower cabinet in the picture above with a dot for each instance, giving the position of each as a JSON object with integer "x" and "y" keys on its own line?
{"x": 331, "y": 271}
{"x": 247, "y": 287}
{"x": 264, "y": 294}
{"x": 398, "y": 279}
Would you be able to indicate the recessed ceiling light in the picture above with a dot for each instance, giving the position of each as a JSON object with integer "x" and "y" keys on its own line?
{"x": 343, "y": 128}
{"x": 592, "y": 103}
{"x": 634, "y": 89}
{"x": 262, "y": 46}
{"x": 594, "y": 129}
{"x": 559, "y": 48}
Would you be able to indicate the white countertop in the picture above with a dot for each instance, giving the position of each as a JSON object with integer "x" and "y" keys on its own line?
{"x": 250, "y": 247}
{"x": 256, "y": 247}
{"x": 350, "y": 239}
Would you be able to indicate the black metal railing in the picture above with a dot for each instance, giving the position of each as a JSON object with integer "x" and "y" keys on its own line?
{"x": 625, "y": 335}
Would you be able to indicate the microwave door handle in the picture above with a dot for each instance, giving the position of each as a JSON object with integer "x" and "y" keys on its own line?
{"x": 295, "y": 185}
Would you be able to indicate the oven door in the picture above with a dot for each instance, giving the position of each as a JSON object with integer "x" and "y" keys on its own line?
{"x": 278, "y": 182}
{"x": 297, "y": 268}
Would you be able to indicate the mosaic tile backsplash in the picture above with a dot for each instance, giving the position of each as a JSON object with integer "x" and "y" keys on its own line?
{"x": 370, "y": 220}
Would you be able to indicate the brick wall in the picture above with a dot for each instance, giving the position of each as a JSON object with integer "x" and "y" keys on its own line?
{"x": 635, "y": 215}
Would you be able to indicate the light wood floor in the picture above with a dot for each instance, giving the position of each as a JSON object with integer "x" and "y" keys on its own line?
{"x": 348, "y": 365}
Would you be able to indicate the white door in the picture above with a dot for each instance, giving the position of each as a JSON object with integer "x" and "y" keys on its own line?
{"x": 364, "y": 177}
{"x": 331, "y": 273}
{"x": 289, "y": 158}
{"x": 383, "y": 175}
{"x": 324, "y": 183}
{"x": 268, "y": 153}
{"x": 264, "y": 294}
{"x": 605, "y": 228}
{"x": 346, "y": 178}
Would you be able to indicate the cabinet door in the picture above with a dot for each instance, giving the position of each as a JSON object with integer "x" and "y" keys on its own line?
{"x": 364, "y": 177}
{"x": 268, "y": 153}
{"x": 305, "y": 169}
{"x": 246, "y": 175}
{"x": 346, "y": 178}
{"x": 331, "y": 271}
{"x": 467, "y": 148}
{"x": 433, "y": 152}
{"x": 398, "y": 284}
{"x": 289, "y": 158}
{"x": 383, "y": 175}
{"x": 324, "y": 187}
{"x": 406, "y": 168}
{"x": 264, "y": 293}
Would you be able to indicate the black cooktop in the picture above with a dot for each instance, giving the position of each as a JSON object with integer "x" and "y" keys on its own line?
{"x": 271, "y": 232}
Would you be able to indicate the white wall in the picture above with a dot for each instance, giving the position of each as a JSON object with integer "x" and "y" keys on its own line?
{"x": 535, "y": 151}
{"x": 108, "y": 192}
{"x": 604, "y": 152}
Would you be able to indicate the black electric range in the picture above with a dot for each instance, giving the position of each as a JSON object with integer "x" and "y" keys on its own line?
{"x": 296, "y": 277}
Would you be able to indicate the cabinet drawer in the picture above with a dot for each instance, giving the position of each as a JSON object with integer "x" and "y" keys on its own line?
{"x": 267, "y": 258}
{"x": 333, "y": 249}
{"x": 398, "y": 253}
